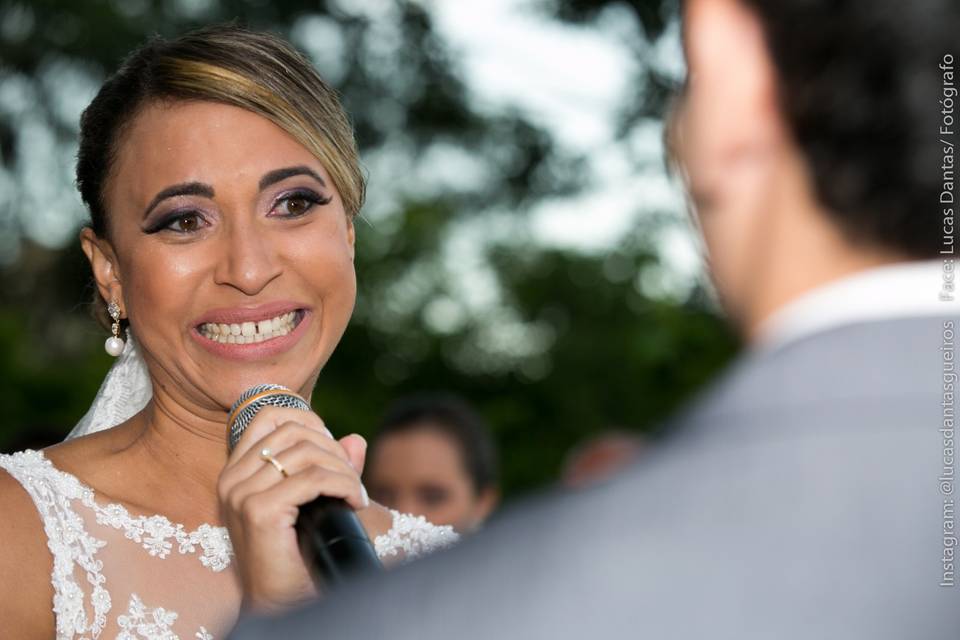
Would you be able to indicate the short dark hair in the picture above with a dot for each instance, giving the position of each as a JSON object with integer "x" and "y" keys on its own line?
{"x": 859, "y": 84}
{"x": 452, "y": 416}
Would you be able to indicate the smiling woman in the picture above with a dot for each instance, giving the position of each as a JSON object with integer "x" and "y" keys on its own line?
{"x": 222, "y": 181}
{"x": 236, "y": 223}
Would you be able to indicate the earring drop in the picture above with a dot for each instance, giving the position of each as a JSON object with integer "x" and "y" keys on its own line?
{"x": 114, "y": 344}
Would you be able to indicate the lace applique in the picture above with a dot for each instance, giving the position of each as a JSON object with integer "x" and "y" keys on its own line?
{"x": 53, "y": 492}
{"x": 153, "y": 533}
{"x": 138, "y": 624}
{"x": 68, "y": 541}
{"x": 154, "y": 624}
{"x": 414, "y": 536}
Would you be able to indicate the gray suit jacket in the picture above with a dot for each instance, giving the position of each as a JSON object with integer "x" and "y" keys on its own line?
{"x": 798, "y": 499}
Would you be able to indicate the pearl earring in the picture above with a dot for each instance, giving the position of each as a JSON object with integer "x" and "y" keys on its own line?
{"x": 114, "y": 344}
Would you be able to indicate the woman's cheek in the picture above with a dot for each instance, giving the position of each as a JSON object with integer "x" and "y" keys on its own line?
{"x": 160, "y": 289}
{"x": 330, "y": 269}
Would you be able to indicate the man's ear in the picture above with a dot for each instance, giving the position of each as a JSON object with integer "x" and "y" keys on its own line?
{"x": 103, "y": 263}
{"x": 733, "y": 95}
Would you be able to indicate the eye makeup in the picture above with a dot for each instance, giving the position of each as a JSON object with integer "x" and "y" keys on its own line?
{"x": 165, "y": 221}
{"x": 291, "y": 204}
{"x": 306, "y": 198}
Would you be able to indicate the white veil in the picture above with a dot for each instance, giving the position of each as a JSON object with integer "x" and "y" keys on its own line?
{"x": 125, "y": 391}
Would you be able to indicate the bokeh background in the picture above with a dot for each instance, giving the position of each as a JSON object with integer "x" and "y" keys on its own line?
{"x": 523, "y": 244}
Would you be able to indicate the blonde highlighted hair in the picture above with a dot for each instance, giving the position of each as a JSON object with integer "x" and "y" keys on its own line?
{"x": 228, "y": 64}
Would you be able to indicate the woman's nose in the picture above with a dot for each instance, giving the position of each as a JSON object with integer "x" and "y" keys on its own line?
{"x": 249, "y": 260}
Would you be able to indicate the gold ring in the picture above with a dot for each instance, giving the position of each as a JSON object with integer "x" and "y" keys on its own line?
{"x": 267, "y": 456}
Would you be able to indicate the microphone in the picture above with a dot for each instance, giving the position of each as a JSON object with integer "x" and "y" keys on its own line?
{"x": 332, "y": 541}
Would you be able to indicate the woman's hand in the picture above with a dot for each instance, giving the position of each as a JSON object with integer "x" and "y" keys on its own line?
{"x": 260, "y": 505}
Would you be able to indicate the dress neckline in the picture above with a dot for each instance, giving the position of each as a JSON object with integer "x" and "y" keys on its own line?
{"x": 156, "y": 533}
{"x": 87, "y": 488}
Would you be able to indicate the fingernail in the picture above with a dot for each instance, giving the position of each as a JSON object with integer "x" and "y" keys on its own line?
{"x": 366, "y": 498}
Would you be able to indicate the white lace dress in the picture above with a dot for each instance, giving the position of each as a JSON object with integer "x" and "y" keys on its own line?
{"x": 136, "y": 577}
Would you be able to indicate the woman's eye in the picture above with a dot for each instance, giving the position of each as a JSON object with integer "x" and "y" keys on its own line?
{"x": 383, "y": 495}
{"x": 297, "y": 204}
{"x": 433, "y": 496}
{"x": 186, "y": 223}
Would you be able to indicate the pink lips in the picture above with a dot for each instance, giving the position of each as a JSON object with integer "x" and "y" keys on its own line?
{"x": 255, "y": 350}
{"x": 248, "y": 314}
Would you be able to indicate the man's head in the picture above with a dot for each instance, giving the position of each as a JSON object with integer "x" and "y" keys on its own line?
{"x": 809, "y": 134}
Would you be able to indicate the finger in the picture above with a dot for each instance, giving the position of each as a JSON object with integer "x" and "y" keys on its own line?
{"x": 269, "y": 419}
{"x": 301, "y": 488}
{"x": 299, "y": 457}
{"x": 286, "y": 435}
{"x": 356, "y": 449}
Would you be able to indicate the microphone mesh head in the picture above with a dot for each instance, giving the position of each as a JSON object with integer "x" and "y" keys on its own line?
{"x": 255, "y": 398}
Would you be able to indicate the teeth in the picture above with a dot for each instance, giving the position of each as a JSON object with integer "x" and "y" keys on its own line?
{"x": 249, "y": 332}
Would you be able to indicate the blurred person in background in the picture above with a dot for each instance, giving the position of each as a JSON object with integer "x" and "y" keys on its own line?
{"x": 433, "y": 455}
{"x": 222, "y": 180}
{"x": 601, "y": 457}
{"x": 808, "y": 494}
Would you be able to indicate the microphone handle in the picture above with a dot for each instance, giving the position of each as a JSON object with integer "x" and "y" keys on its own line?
{"x": 333, "y": 543}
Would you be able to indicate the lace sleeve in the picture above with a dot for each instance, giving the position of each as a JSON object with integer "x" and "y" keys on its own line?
{"x": 412, "y": 536}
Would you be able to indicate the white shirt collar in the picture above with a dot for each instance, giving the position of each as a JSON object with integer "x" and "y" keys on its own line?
{"x": 906, "y": 289}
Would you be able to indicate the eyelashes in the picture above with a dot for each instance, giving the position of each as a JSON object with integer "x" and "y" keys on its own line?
{"x": 292, "y": 204}
{"x": 300, "y": 202}
{"x": 167, "y": 222}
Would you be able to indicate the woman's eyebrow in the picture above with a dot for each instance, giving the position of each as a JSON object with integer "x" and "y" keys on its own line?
{"x": 184, "y": 189}
{"x": 201, "y": 189}
{"x": 282, "y": 174}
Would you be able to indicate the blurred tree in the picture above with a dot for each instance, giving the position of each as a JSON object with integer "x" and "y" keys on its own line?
{"x": 550, "y": 344}
{"x": 576, "y": 347}
{"x": 653, "y": 85}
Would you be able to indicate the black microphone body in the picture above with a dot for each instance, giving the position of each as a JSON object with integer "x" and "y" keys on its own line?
{"x": 333, "y": 543}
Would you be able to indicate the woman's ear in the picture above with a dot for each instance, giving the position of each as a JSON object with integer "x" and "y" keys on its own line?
{"x": 103, "y": 263}
{"x": 351, "y": 235}
{"x": 486, "y": 502}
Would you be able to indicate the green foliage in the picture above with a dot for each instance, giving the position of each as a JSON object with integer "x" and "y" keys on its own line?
{"x": 551, "y": 345}
{"x": 652, "y": 88}
{"x": 587, "y": 351}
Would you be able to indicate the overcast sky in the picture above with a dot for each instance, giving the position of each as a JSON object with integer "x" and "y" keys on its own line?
{"x": 572, "y": 80}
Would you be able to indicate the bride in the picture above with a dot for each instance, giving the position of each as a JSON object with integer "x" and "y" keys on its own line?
{"x": 222, "y": 180}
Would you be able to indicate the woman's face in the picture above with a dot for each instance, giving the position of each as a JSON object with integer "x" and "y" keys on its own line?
{"x": 222, "y": 223}
{"x": 421, "y": 471}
